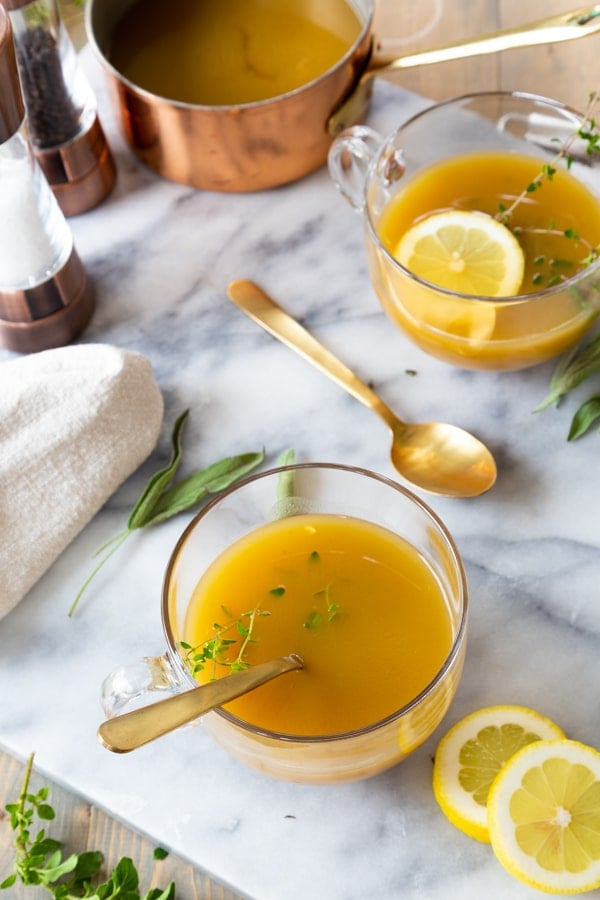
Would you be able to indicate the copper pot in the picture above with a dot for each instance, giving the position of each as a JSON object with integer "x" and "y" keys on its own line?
{"x": 254, "y": 146}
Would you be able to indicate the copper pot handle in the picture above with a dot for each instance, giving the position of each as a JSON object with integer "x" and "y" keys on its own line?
{"x": 563, "y": 27}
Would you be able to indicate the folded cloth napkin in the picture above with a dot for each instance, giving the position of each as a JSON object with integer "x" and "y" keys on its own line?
{"x": 75, "y": 422}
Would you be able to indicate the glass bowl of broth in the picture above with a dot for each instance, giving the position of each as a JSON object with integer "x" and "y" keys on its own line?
{"x": 483, "y": 153}
{"x": 349, "y": 570}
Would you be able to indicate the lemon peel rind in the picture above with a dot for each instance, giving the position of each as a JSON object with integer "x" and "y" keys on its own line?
{"x": 506, "y": 849}
{"x": 456, "y": 803}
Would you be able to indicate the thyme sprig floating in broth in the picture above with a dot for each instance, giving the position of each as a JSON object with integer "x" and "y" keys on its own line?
{"x": 551, "y": 270}
{"x": 162, "y": 498}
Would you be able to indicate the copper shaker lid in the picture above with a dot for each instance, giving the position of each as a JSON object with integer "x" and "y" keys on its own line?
{"x": 14, "y": 4}
{"x": 12, "y": 109}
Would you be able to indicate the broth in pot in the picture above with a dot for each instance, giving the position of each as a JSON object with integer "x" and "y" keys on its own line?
{"x": 233, "y": 51}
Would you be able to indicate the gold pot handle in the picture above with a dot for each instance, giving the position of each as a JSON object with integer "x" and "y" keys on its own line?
{"x": 563, "y": 27}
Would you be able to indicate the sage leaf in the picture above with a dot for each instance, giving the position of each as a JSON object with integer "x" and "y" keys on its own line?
{"x": 571, "y": 370}
{"x": 161, "y": 499}
{"x": 584, "y": 418}
{"x": 285, "y": 480}
{"x": 188, "y": 492}
{"x": 160, "y": 479}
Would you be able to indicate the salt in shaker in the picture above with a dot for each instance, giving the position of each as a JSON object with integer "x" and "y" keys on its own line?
{"x": 46, "y": 298}
{"x": 64, "y": 128}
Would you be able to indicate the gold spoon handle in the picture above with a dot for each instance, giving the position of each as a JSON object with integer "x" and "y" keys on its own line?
{"x": 133, "y": 729}
{"x": 250, "y": 298}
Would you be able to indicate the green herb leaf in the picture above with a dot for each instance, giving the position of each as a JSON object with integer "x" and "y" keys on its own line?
{"x": 587, "y": 414}
{"x": 160, "y": 853}
{"x": 285, "y": 480}
{"x": 313, "y": 620}
{"x": 160, "y": 500}
{"x": 571, "y": 370}
{"x": 159, "y": 481}
{"x": 39, "y": 861}
{"x": 191, "y": 490}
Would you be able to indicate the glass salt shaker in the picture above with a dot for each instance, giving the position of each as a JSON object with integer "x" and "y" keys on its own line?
{"x": 45, "y": 296}
{"x": 64, "y": 128}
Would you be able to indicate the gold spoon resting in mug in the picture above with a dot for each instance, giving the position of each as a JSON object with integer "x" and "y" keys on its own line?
{"x": 437, "y": 457}
{"x": 133, "y": 729}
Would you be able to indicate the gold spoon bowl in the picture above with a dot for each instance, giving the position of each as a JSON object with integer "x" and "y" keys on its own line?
{"x": 434, "y": 456}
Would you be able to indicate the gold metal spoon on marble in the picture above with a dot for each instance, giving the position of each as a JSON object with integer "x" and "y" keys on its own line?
{"x": 133, "y": 729}
{"x": 437, "y": 457}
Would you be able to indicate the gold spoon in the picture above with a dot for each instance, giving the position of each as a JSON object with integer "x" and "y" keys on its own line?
{"x": 439, "y": 458}
{"x": 133, "y": 729}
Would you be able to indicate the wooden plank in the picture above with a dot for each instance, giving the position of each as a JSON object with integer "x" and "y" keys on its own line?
{"x": 407, "y": 27}
{"x": 567, "y": 71}
{"x": 83, "y": 827}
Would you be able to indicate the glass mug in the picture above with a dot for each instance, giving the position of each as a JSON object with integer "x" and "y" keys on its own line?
{"x": 336, "y": 490}
{"x": 465, "y": 330}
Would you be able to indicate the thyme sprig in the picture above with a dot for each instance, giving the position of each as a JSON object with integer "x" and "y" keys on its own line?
{"x": 163, "y": 498}
{"x": 559, "y": 269}
{"x": 236, "y": 633}
{"x": 216, "y": 650}
{"x": 587, "y": 132}
{"x": 39, "y": 859}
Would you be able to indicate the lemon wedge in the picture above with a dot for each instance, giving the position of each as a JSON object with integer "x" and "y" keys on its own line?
{"x": 464, "y": 251}
{"x": 472, "y": 753}
{"x": 544, "y": 816}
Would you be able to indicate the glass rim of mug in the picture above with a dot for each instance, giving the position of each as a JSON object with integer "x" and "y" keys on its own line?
{"x": 548, "y": 291}
{"x": 462, "y": 597}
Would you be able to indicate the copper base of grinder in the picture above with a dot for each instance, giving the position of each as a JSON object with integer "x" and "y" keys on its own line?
{"x": 50, "y": 314}
{"x": 80, "y": 172}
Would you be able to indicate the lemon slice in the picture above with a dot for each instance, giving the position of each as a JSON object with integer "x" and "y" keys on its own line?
{"x": 463, "y": 251}
{"x": 472, "y": 754}
{"x": 544, "y": 816}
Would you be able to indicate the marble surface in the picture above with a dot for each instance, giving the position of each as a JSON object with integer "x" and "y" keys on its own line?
{"x": 161, "y": 256}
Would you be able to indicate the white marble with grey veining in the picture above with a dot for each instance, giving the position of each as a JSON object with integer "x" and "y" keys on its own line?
{"x": 161, "y": 256}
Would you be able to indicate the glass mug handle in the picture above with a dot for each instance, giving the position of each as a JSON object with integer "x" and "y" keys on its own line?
{"x": 349, "y": 159}
{"x": 136, "y": 681}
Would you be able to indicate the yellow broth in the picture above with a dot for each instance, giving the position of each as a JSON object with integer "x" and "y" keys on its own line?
{"x": 359, "y": 604}
{"x": 230, "y": 51}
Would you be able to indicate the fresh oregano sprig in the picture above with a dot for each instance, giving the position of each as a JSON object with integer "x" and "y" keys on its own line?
{"x": 162, "y": 498}
{"x": 39, "y": 859}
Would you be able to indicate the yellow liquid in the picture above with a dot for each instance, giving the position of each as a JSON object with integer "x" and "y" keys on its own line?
{"x": 493, "y": 333}
{"x": 230, "y": 51}
{"x": 360, "y": 605}
{"x": 484, "y": 182}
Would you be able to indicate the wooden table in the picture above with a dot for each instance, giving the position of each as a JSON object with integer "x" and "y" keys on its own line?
{"x": 567, "y": 71}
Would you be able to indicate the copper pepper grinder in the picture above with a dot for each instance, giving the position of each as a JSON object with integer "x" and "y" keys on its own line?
{"x": 64, "y": 128}
{"x": 45, "y": 297}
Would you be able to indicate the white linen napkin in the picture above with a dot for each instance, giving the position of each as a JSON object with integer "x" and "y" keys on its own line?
{"x": 75, "y": 422}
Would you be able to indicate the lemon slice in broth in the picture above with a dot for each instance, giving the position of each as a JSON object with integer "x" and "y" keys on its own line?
{"x": 464, "y": 251}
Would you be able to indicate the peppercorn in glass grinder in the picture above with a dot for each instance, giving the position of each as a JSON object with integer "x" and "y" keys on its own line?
{"x": 64, "y": 128}
{"x": 46, "y": 298}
